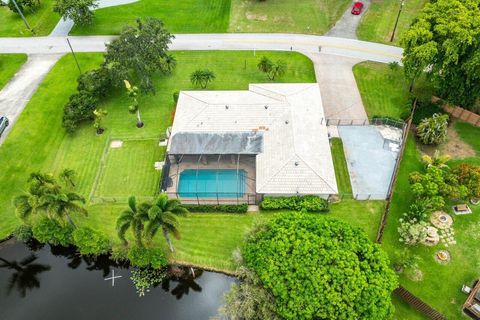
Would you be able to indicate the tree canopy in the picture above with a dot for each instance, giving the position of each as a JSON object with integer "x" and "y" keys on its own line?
{"x": 444, "y": 41}
{"x": 321, "y": 268}
{"x": 139, "y": 52}
{"x": 80, "y": 11}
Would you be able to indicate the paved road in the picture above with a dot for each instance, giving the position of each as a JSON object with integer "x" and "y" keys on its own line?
{"x": 346, "y": 27}
{"x": 361, "y": 50}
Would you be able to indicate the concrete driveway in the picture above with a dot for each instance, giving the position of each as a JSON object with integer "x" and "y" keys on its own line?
{"x": 340, "y": 96}
{"x": 346, "y": 27}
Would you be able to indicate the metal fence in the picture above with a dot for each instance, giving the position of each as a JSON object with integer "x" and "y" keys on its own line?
{"x": 365, "y": 122}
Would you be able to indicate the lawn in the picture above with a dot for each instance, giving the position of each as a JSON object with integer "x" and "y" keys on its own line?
{"x": 469, "y": 134}
{"x": 38, "y": 142}
{"x": 384, "y": 91}
{"x": 378, "y": 22}
{"x": 42, "y": 19}
{"x": 340, "y": 164}
{"x": 186, "y": 16}
{"x": 9, "y": 65}
{"x": 289, "y": 16}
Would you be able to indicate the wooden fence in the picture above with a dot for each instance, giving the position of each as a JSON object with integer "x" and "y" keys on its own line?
{"x": 459, "y": 113}
{"x": 418, "y": 304}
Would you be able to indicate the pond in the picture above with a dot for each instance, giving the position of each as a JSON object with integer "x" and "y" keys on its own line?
{"x": 43, "y": 282}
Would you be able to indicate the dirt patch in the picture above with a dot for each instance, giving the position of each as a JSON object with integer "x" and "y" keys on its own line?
{"x": 455, "y": 147}
{"x": 114, "y": 144}
{"x": 256, "y": 17}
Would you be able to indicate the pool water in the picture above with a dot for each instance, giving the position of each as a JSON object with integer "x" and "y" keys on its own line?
{"x": 208, "y": 183}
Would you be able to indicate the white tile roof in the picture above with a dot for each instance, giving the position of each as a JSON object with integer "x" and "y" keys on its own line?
{"x": 296, "y": 157}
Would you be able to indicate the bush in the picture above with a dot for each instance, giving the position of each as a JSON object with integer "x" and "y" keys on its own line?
{"x": 79, "y": 108}
{"x": 321, "y": 268}
{"x": 176, "y": 94}
{"x": 412, "y": 232}
{"x": 229, "y": 208}
{"x": 22, "y": 5}
{"x": 23, "y": 233}
{"x": 433, "y": 130}
{"x": 90, "y": 242}
{"x": 147, "y": 257}
{"x": 297, "y": 203}
{"x": 426, "y": 110}
{"x": 51, "y": 231}
{"x": 119, "y": 253}
{"x": 97, "y": 82}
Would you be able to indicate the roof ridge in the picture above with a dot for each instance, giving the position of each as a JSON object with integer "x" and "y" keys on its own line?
{"x": 205, "y": 106}
{"x": 316, "y": 173}
{"x": 278, "y": 171}
{"x": 259, "y": 85}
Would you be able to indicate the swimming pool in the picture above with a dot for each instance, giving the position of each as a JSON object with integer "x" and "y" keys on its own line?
{"x": 228, "y": 183}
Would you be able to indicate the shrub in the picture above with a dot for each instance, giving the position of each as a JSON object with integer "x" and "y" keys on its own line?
{"x": 421, "y": 208}
{"x": 119, "y": 253}
{"x": 229, "y": 208}
{"x": 90, "y": 242}
{"x": 426, "y": 109}
{"x": 79, "y": 108}
{"x": 321, "y": 268}
{"x": 97, "y": 82}
{"x": 147, "y": 257}
{"x": 22, "y": 4}
{"x": 51, "y": 231}
{"x": 412, "y": 232}
{"x": 23, "y": 232}
{"x": 176, "y": 94}
{"x": 297, "y": 203}
{"x": 469, "y": 176}
{"x": 433, "y": 130}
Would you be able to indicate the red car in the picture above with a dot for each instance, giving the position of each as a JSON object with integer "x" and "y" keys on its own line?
{"x": 357, "y": 8}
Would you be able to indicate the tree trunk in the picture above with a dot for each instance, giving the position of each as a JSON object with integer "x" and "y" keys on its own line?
{"x": 71, "y": 221}
{"x": 410, "y": 89}
{"x": 169, "y": 242}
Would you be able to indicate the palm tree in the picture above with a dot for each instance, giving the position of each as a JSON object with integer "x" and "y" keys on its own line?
{"x": 265, "y": 65}
{"x": 61, "y": 205}
{"x": 132, "y": 218}
{"x": 68, "y": 177}
{"x": 202, "y": 77}
{"x": 25, "y": 276}
{"x": 438, "y": 160}
{"x": 163, "y": 214}
{"x": 278, "y": 69}
{"x": 27, "y": 204}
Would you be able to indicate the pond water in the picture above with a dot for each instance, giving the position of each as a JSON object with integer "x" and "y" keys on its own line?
{"x": 56, "y": 283}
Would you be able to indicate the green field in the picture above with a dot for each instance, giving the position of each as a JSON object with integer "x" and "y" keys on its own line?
{"x": 42, "y": 20}
{"x": 289, "y": 16}
{"x": 469, "y": 133}
{"x": 340, "y": 164}
{"x": 378, "y": 22}
{"x": 9, "y": 65}
{"x": 186, "y": 16}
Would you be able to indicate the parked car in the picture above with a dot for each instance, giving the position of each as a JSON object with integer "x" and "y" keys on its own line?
{"x": 357, "y": 8}
{"x": 3, "y": 124}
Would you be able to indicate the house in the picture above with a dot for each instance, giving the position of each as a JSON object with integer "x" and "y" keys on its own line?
{"x": 230, "y": 146}
{"x": 472, "y": 306}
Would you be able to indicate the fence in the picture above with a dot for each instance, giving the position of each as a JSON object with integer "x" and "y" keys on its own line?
{"x": 360, "y": 196}
{"x": 418, "y": 304}
{"x": 217, "y": 198}
{"x": 365, "y": 122}
{"x": 460, "y": 113}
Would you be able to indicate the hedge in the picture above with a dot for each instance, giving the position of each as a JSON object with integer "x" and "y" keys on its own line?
{"x": 297, "y": 203}
{"x": 229, "y": 208}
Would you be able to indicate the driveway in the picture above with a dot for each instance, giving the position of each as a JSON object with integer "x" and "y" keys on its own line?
{"x": 346, "y": 27}
{"x": 340, "y": 96}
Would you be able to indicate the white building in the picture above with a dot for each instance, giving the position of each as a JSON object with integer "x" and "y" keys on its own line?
{"x": 273, "y": 134}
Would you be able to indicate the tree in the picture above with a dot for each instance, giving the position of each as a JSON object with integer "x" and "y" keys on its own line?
{"x": 99, "y": 114}
{"x": 23, "y": 4}
{"x": 437, "y": 160}
{"x": 272, "y": 69}
{"x": 202, "y": 77}
{"x": 133, "y": 218}
{"x": 433, "y": 130}
{"x": 79, "y": 108}
{"x": 80, "y": 11}
{"x": 320, "y": 268}
{"x": 68, "y": 177}
{"x": 132, "y": 92}
{"x": 139, "y": 52}
{"x": 469, "y": 176}
{"x": 444, "y": 41}
{"x": 62, "y": 205}
{"x": 162, "y": 214}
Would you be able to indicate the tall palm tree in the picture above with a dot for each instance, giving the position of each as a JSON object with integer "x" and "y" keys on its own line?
{"x": 68, "y": 177}
{"x": 61, "y": 205}
{"x": 132, "y": 218}
{"x": 27, "y": 204}
{"x": 202, "y": 77}
{"x": 25, "y": 276}
{"x": 163, "y": 214}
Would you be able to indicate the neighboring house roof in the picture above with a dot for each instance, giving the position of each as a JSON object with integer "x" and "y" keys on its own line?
{"x": 295, "y": 156}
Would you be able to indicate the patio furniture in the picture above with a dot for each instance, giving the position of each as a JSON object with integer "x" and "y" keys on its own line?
{"x": 432, "y": 236}
{"x": 441, "y": 220}
{"x": 462, "y": 209}
{"x": 466, "y": 289}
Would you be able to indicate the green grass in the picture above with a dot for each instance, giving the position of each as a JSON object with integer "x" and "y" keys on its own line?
{"x": 42, "y": 19}
{"x": 340, "y": 164}
{"x": 441, "y": 284}
{"x": 469, "y": 134}
{"x": 378, "y": 22}
{"x": 131, "y": 165}
{"x": 38, "y": 142}
{"x": 385, "y": 92}
{"x": 9, "y": 65}
{"x": 186, "y": 16}
{"x": 290, "y": 16}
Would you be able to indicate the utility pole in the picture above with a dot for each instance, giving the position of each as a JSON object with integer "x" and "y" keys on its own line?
{"x": 74, "y": 56}
{"x": 402, "y": 3}
{"x": 21, "y": 15}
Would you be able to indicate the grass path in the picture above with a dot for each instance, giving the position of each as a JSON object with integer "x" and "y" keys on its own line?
{"x": 340, "y": 164}
{"x": 9, "y": 65}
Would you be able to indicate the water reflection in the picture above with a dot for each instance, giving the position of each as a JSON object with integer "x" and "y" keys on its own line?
{"x": 185, "y": 278}
{"x": 24, "y": 275}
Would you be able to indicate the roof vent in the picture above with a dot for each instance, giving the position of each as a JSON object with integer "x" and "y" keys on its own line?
{"x": 286, "y": 121}
{"x": 226, "y": 107}
{"x": 296, "y": 163}
{"x": 266, "y": 107}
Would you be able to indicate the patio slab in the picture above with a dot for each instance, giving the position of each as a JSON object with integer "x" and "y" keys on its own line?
{"x": 370, "y": 159}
